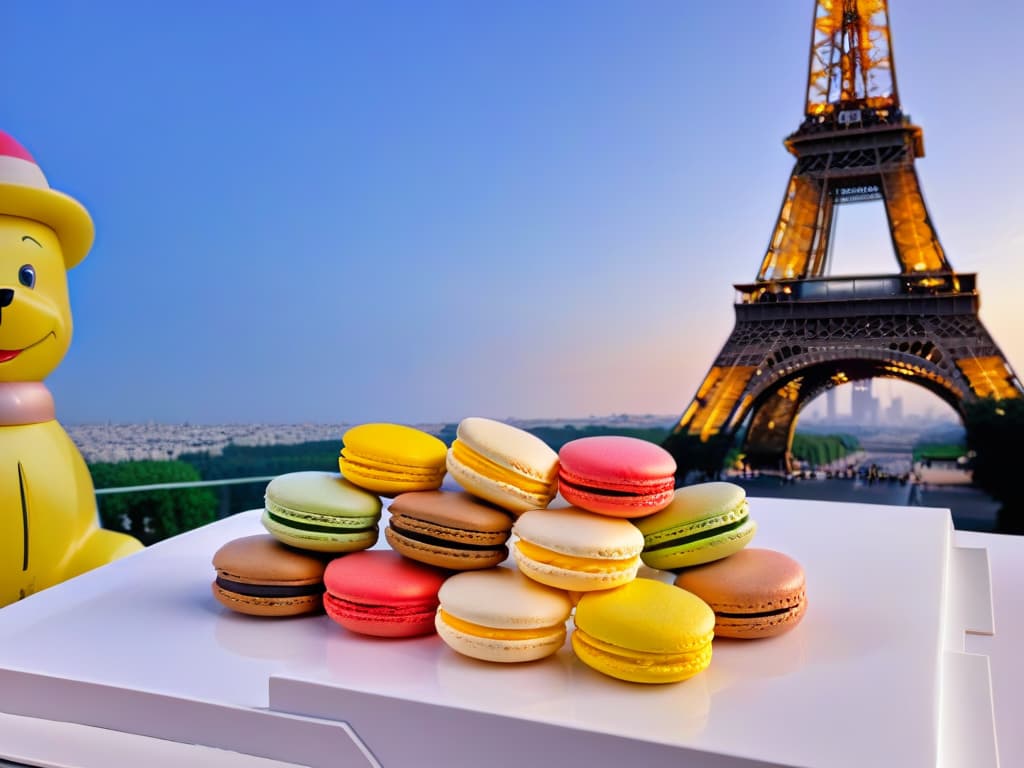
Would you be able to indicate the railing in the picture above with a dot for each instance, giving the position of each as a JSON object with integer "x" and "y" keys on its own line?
{"x": 188, "y": 484}
{"x": 860, "y": 287}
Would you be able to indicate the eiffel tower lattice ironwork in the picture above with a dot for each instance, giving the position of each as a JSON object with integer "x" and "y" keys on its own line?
{"x": 798, "y": 331}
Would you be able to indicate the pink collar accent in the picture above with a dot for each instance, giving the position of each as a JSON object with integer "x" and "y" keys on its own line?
{"x": 25, "y": 402}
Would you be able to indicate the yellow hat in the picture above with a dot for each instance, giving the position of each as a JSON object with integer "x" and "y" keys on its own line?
{"x": 25, "y": 192}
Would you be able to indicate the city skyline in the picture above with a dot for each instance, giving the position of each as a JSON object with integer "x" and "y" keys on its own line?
{"x": 418, "y": 214}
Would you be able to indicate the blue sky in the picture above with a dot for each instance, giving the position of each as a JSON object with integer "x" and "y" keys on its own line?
{"x": 420, "y": 211}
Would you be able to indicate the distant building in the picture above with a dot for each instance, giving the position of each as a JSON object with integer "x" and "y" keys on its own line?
{"x": 894, "y": 413}
{"x": 830, "y": 404}
{"x": 863, "y": 405}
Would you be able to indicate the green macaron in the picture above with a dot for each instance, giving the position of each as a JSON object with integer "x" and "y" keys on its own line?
{"x": 704, "y": 522}
{"x": 321, "y": 511}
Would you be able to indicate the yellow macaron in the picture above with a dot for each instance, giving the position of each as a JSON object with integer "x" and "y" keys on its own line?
{"x": 391, "y": 458}
{"x": 644, "y": 632}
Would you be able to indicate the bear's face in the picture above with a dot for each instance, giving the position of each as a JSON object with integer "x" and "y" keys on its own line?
{"x": 35, "y": 314}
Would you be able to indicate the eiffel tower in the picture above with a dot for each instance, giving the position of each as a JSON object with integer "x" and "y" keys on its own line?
{"x": 800, "y": 331}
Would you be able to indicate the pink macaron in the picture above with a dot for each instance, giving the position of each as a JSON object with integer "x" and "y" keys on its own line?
{"x": 379, "y": 592}
{"x": 616, "y": 475}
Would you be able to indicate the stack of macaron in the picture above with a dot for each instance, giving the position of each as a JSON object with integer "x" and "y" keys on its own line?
{"x": 446, "y": 569}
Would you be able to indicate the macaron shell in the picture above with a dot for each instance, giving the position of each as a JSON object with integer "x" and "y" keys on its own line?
{"x": 753, "y": 581}
{"x": 647, "y": 615}
{"x": 503, "y": 598}
{"x": 690, "y": 507}
{"x": 503, "y": 464}
{"x": 615, "y": 462}
{"x": 617, "y": 506}
{"x": 501, "y": 601}
{"x": 505, "y": 651}
{"x": 704, "y": 550}
{"x": 765, "y": 626}
{"x": 264, "y": 564}
{"x": 381, "y": 593}
{"x": 616, "y": 475}
{"x": 388, "y": 481}
{"x": 320, "y": 496}
{"x": 638, "y": 667}
{"x": 392, "y": 458}
{"x": 510, "y": 447}
{"x": 320, "y": 541}
{"x": 575, "y": 531}
{"x": 261, "y": 559}
{"x": 433, "y": 530}
{"x": 267, "y": 606}
{"x": 504, "y": 494}
{"x": 379, "y": 621}
{"x": 440, "y": 556}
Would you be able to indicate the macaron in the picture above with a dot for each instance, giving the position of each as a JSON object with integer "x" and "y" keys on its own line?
{"x": 392, "y": 458}
{"x": 754, "y": 593}
{"x": 576, "y": 550}
{"x": 381, "y": 593}
{"x": 616, "y": 475}
{"x": 259, "y": 576}
{"x": 452, "y": 530}
{"x": 503, "y": 464}
{"x": 500, "y": 615}
{"x": 321, "y": 511}
{"x": 703, "y": 522}
{"x": 644, "y": 632}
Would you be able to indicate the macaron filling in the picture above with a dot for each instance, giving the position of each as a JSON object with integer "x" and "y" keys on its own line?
{"x": 576, "y": 563}
{"x": 384, "y": 470}
{"x": 613, "y": 489}
{"x": 759, "y": 614}
{"x": 706, "y": 530}
{"x": 437, "y": 541}
{"x": 484, "y": 466}
{"x": 681, "y": 661}
{"x": 269, "y": 590}
{"x": 496, "y": 633}
{"x": 320, "y": 528}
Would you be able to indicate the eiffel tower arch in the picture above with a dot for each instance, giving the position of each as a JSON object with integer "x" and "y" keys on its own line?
{"x": 799, "y": 330}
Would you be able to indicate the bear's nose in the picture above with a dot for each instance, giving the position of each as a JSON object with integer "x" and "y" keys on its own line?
{"x": 6, "y": 296}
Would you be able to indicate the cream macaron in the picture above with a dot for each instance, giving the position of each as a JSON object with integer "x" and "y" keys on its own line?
{"x": 577, "y": 550}
{"x": 500, "y": 615}
{"x": 504, "y": 465}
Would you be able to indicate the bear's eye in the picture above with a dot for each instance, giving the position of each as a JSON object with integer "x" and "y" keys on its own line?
{"x": 27, "y": 276}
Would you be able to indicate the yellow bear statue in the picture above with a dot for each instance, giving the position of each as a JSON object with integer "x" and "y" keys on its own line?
{"x": 48, "y": 523}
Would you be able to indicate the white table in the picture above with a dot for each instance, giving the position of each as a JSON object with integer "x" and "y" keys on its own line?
{"x": 144, "y": 636}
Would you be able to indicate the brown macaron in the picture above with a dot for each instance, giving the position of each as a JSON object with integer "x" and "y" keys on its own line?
{"x": 754, "y": 593}
{"x": 259, "y": 576}
{"x": 448, "y": 530}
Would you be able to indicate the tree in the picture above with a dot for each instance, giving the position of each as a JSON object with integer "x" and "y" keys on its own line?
{"x": 152, "y": 516}
{"x": 994, "y": 429}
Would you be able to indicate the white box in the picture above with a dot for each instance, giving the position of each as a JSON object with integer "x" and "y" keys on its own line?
{"x": 875, "y": 674}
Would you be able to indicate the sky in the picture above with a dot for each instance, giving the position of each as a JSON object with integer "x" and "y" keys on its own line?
{"x": 415, "y": 212}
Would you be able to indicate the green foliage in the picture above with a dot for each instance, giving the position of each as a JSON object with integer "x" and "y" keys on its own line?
{"x": 994, "y": 429}
{"x": 261, "y": 461}
{"x": 938, "y": 451}
{"x": 819, "y": 450}
{"x": 151, "y": 516}
{"x": 694, "y": 455}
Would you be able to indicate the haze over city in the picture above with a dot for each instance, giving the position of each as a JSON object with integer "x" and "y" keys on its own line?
{"x": 416, "y": 213}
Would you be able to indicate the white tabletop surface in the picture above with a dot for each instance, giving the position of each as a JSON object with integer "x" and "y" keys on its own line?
{"x": 242, "y": 657}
